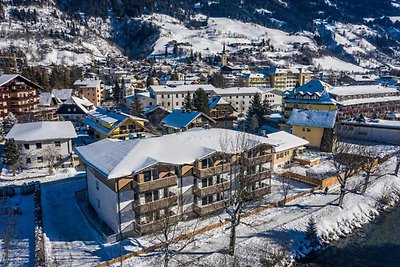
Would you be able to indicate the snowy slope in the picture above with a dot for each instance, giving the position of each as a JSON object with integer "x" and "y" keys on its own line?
{"x": 50, "y": 40}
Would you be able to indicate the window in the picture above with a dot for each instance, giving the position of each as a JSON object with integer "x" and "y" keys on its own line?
{"x": 151, "y": 196}
{"x": 40, "y": 159}
{"x": 206, "y": 200}
{"x": 150, "y": 175}
{"x": 177, "y": 103}
{"x": 26, "y": 146}
{"x": 57, "y": 143}
{"x": 38, "y": 145}
{"x": 206, "y": 163}
{"x": 97, "y": 184}
{"x": 28, "y": 160}
{"x": 308, "y": 129}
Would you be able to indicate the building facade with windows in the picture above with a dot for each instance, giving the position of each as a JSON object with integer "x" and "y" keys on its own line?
{"x": 191, "y": 175}
{"x": 92, "y": 89}
{"x": 40, "y": 142}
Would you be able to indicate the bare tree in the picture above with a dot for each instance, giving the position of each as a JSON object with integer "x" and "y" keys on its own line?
{"x": 285, "y": 187}
{"x": 397, "y": 169}
{"x": 50, "y": 155}
{"x": 369, "y": 166}
{"x": 346, "y": 165}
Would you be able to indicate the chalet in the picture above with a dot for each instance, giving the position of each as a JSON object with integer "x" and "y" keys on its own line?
{"x": 105, "y": 123}
{"x": 222, "y": 112}
{"x": 62, "y": 94}
{"x": 19, "y": 96}
{"x": 48, "y": 105}
{"x": 155, "y": 114}
{"x": 75, "y": 109}
{"x": 192, "y": 174}
{"x": 180, "y": 120}
{"x": 39, "y": 140}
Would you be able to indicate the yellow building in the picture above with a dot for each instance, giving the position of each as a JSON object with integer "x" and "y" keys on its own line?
{"x": 287, "y": 78}
{"x": 315, "y": 126}
{"x": 91, "y": 89}
{"x": 254, "y": 80}
{"x": 104, "y": 123}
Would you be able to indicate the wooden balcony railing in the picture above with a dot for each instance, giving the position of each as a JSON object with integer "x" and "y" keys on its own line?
{"x": 156, "y": 205}
{"x": 213, "y": 189}
{"x": 264, "y": 174}
{"x": 156, "y": 184}
{"x": 258, "y": 160}
{"x": 212, "y": 170}
{"x": 210, "y": 208}
{"x": 260, "y": 192}
{"x": 143, "y": 228}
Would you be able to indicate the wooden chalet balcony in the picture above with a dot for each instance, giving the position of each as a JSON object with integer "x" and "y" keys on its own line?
{"x": 258, "y": 160}
{"x": 264, "y": 174}
{"x": 210, "y": 208}
{"x": 168, "y": 181}
{"x": 212, "y": 170}
{"x": 143, "y": 228}
{"x": 213, "y": 189}
{"x": 156, "y": 205}
{"x": 260, "y": 192}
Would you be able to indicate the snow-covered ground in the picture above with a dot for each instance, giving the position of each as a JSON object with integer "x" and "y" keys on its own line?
{"x": 335, "y": 64}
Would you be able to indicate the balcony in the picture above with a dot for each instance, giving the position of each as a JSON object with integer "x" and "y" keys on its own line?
{"x": 263, "y": 190}
{"x": 156, "y": 225}
{"x": 156, "y": 205}
{"x": 156, "y": 184}
{"x": 264, "y": 174}
{"x": 258, "y": 160}
{"x": 210, "y": 208}
{"x": 213, "y": 189}
{"x": 212, "y": 170}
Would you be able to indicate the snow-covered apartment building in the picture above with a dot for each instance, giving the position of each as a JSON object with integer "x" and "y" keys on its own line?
{"x": 239, "y": 97}
{"x": 38, "y": 141}
{"x": 179, "y": 175}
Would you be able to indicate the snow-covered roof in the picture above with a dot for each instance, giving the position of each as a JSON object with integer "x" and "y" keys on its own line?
{"x": 181, "y": 88}
{"x": 84, "y": 104}
{"x": 313, "y": 118}
{"x": 376, "y": 123}
{"x": 62, "y": 94}
{"x": 363, "y": 77}
{"x": 5, "y": 78}
{"x": 362, "y": 90}
{"x": 237, "y": 91}
{"x": 286, "y": 141}
{"x": 358, "y": 101}
{"x": 42, "y": 130}
{"x": 115, "y": 159}
{"x": 180, "y": 118}
{"x": 151, "y": 108}
{"x": 312, "y": 88}
{"x": 88, "y": 82}
{"x": 45, "y": 99}
{"x": 214, "y": 101}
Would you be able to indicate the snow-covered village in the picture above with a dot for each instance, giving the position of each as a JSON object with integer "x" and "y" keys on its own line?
{"x": 199, "y": 133}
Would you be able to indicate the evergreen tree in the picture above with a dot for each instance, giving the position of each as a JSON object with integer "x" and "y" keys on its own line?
{"x": 117, "y": 92}
{"x": 10, "y": 155}
{"x": 256, "y": 109}
{"x": 136, "y": 108}
{"x": 1, "y": 132}
{"x": 267, "y": 108}
{"x": 9, "y": 122}
{"x": 200, "y": 101}
{"x": 188, "y": 102}
{"x": 311, "y": 232}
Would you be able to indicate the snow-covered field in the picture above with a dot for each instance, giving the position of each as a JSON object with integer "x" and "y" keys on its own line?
{"x": 335, "y": 64}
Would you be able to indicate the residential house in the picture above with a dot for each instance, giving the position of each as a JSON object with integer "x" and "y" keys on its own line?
{"x": 181, "y": 120}
{"x": 19, "y": 96}
{"x": 254, "y": 80}
{"x": 315, "y": 126}
{"x": 105, "y": 123}
{"x": 135, "y": 186}
{"x": 62, "y": 94}
{"x": 239, "y": 97}
{"x": 359, "y": 79}
{"x": 155, "y": 114}
{"x": 222, "y": 112}
{"x": 42, "y": 142}
{"x": 75, "y": 109}
{"x": 92, "y": 89}
{"x": 48, "y": 105}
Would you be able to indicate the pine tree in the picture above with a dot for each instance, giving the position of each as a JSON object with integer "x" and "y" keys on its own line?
{"x": 136, "y": 108}
{"x": 256, "y": 109}
{"x": 188, "y": 102}
{"x": 9, "y": 122}
{"x": 200, "y": 101}
{"x": 1, "y": 132}
{"x": 311, "y": 232}
{"x": 10, "y": 155}
{"x": 267, "y": 108}
{"x": 117, "y": 92}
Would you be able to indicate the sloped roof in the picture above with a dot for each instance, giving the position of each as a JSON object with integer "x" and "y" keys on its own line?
{"x": 62, "y": 94}
{"x": 42, "y": 130}
{"x": 88, "y": 82}
{"x": 152, "y": 108}
{"x": 179, "y": 118}
{"x": 313, "y": 118}
{"x": 122, "y": 158}
{"x": 214, "y": 101}
{"x": 5, "y": 78}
